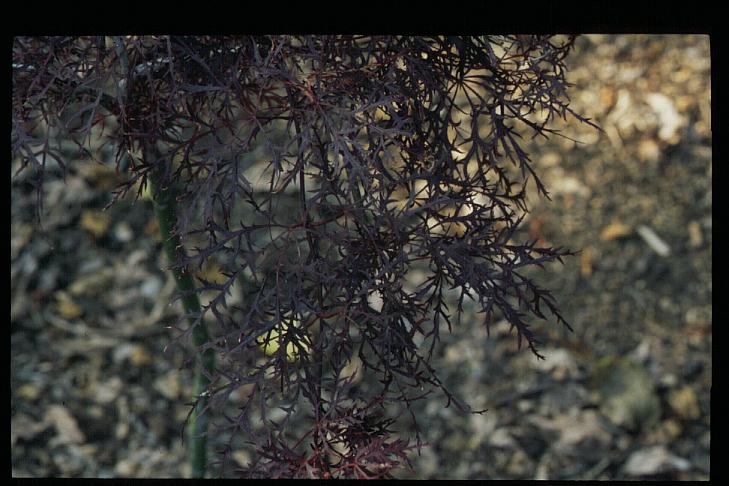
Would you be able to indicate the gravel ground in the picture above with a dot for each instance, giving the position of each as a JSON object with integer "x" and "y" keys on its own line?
{"x": 97, "y": 390}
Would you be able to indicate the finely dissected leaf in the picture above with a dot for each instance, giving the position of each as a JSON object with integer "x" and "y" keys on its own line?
{"x": 315, "y": 171}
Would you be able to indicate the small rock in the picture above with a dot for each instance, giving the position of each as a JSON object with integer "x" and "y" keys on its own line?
{"x": 123, "y": 232}
{"x": 654, "y": 460}
{"x": 151, "y": 287}
{"x": 685, "y": 404}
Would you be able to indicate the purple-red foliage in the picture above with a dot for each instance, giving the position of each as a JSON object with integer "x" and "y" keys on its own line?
{"x": 381, "y": 155}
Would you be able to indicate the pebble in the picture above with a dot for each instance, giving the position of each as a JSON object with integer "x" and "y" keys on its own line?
{"x": 121, "y": 431}
{"x": 151, "y": 287}
{"x": 525, "y": 406}
{"x": 123, "y": 232}
{"x": 668, "y": 380}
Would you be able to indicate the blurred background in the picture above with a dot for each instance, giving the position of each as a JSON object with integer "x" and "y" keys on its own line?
{"x": 98, "y": 390}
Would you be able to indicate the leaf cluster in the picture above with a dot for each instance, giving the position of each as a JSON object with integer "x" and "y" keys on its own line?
{"x": 325, "y": 174}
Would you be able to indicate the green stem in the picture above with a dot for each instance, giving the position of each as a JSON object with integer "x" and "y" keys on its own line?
{"x": 165, "y": 208}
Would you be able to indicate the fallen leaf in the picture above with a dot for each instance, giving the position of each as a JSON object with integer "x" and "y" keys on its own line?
{"x": 95, "y": 222}
{"x": 654, "y": 241}
{"x": 25, "y": 427}
{"x": 695, "y": 237}
{"x": 168, "y": 385}
{"x": 243, "y": 458}
{"x": 627, "y": 391}
{"x": 654, "y": 460}
{"x": 648, "y": 150}
{"x": 107, "y": 391}
{"x": 586, "y": 259}
{"x": 92, "y": 284}
{"x": 65, "y": 424}
{"x": 614, "y": 231}
{"x": 685, "y": 404}
{"x": 67, "y": 308}
{"x": 669, "y": 119}
{"x": 28, "y": 392}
